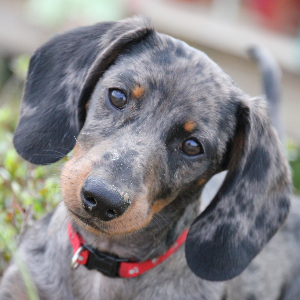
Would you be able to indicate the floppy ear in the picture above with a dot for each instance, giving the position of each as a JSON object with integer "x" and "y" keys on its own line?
{"x": 61, "y": 78}
{"x": 251, "y": 204}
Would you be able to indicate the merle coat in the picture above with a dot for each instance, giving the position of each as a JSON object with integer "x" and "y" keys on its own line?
{"x": 151, "y": 120}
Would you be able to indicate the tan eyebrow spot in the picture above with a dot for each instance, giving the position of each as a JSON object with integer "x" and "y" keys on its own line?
{"x": 189, "y": 126}
{"x": 201, "y": 181}
{"x": 137, "y": 91}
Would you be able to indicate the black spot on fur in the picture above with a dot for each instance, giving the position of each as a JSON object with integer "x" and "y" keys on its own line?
{"x": 251, "y": 297}
{"x": 231, "y": 214}
{"x": 8, "y": 296}
{"x": 220, "y": 213}
{"x": 163, "y": 91}
{"x": 164, "y": 191}
{"x": 211, "y": 218}
{"x": 122, "y": 169}
{"x": 39, "y": 250}
{"x": 226, "y": 109}
{"x": 180, "y": 51}
{"x": 217, "y": 85}
{"x": 202, "y": 99}
{"x": 284, "y": 206}
{"x": 200, "y": 66}
{"x": 126, "y": 78}
{"x": 175, "y": 133}
{"x": 162, "y": 57}
{"x": 244, "y": 204}
{"x": 107, "y": 156}
{"x": 260, "y": 220}
{"x": 221, "y": 258}
{"x": 242, "y": 207}
{"x": 225, "y": 231}
{"x": 257, "y": 165}
{"x": 234, "y": 95}
{"x": 205, "y": 120}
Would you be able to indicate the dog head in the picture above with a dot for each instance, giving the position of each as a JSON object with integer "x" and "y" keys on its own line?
{"x": 152, "y": 120}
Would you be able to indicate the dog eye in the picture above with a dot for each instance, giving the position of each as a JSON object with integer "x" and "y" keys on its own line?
{"x": 191, "y": 147}
{"x": 117, "y": 98}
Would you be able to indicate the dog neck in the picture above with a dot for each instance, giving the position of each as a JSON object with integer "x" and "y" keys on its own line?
{"x": 147, "y": 243}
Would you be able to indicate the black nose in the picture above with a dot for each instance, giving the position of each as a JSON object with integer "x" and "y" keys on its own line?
{"x": 103, "y": 201}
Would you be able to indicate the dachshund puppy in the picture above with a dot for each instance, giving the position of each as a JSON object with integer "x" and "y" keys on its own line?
{"x": 151, "y": 120}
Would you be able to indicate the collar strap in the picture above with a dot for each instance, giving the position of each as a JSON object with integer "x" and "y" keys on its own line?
{"x": 111, "y": 265}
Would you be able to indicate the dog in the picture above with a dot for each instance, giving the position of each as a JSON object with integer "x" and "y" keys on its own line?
{"x": 151, "y": 120}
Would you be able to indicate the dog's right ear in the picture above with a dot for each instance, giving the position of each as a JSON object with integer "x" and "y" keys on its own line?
{"x": 250, "y": 206}
{"x": 61, "y": 78}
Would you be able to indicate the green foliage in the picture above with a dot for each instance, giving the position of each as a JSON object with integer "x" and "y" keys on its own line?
{"x": 296, "y": 174}
{"x": 294, "y": 157}
{"x": 25, "y": 190}
{"x": 56, "y": 13}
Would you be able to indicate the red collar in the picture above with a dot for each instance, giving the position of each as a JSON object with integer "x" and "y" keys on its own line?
{"x": 110, "y": 265}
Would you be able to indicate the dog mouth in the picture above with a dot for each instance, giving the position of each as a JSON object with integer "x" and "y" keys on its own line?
{"x": 86, "y": 222}
{"x": 136, "y": 218}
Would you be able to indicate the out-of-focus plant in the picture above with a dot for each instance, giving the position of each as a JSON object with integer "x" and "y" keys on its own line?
{"x": 11, "y": 87}
{"x": 57, "y": 13}
{"x": 26, "y": 191}
{"x": 294, "y": 158}
{"x": 6, "y": 236}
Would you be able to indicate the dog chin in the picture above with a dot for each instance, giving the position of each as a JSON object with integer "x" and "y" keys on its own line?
{"x": 111, "y": 228}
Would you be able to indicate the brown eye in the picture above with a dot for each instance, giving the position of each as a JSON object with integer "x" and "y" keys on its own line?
{"x": 191, "y": 147}
{"x": 117, "y": 98}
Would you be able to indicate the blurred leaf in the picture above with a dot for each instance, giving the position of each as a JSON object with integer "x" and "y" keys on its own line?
{"x": 293, "y": 153}
{"x": 292, "y": 150}
{"x": 19, "y": 66}
{"x": 55, "y": 13}
{"x": 22, "y": 186}
{"x": 5, "y": 174}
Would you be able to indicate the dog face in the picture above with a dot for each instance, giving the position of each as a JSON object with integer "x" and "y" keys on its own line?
{"x": 133, "y": 160}
{"x": 153, "y": 120}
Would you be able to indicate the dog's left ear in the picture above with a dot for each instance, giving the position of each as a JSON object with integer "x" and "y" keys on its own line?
{"x": 61, "y": 77}
{"x": 250, "y": 206}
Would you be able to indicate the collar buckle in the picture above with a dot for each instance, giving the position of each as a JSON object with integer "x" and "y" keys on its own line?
{"x": 103, "y": 262}
{"x": 76, "y": 256}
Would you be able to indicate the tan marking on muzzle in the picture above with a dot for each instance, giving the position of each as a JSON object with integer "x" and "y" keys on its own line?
{"x": 73, "y": 176}
{"x": 158, "y": 205}
{"x": 136, "y": 217}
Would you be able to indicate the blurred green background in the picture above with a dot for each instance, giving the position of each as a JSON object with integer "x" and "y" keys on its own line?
{"x": 28, "y": 192}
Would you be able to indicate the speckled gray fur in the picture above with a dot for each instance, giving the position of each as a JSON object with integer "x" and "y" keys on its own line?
{"x": 136, "y": 152}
